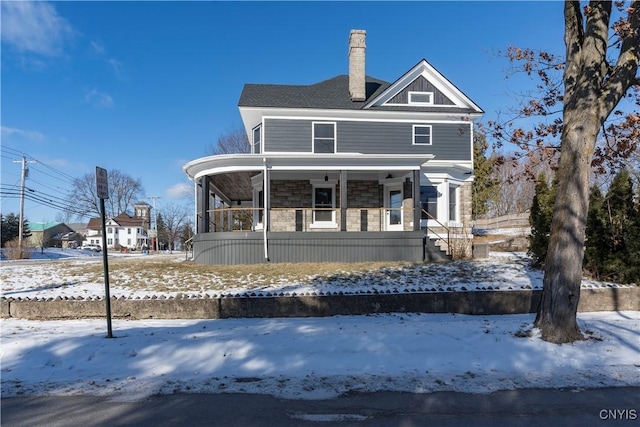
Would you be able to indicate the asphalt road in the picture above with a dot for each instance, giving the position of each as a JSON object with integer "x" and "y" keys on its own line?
{"x": 530, "y": 407}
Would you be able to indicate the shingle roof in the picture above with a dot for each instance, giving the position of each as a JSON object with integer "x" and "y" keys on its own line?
{"x": 329, "y": 94}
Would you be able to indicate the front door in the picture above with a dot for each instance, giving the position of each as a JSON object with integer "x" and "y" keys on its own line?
{"x": 393, "y": 208}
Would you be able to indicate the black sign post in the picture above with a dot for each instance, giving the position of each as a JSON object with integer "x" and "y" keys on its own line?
{"x": 102, "y": 190}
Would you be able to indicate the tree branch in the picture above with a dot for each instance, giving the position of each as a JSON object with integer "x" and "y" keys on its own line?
{"x": 573, "y": 39}
{"x": 623, "y": 75}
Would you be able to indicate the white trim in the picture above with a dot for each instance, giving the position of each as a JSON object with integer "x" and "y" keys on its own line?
{"x": 252, "y": 115}
{"x": 433, "y": 76}
{"x": 212, "y": 165}
{"x": 334, "y": 118}
{"x": 430, "y": 102}
{"x": 413, "y": 135}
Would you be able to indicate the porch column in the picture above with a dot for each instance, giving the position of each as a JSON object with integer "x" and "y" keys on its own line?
{"x": 266, "y": 193}
{"x": 266, "y": 206}
{"x": 417, "y": 213}
{"x": 215, "y": 219}
{"x": 343, "y": 200}
{"x": 203, "y": 226}
{"x": 229, "y": 218}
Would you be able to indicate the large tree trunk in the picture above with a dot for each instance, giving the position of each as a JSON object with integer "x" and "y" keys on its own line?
{"x": 556, "y": 316}
{"x": 591, "y": 90}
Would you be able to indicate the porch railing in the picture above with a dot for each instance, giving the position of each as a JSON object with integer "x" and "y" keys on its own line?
{"x": 242, "y": 219}
{"x": 431, "y": 230}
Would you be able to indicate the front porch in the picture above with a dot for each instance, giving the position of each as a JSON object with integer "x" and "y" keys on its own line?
{"x": 301, "y": 208}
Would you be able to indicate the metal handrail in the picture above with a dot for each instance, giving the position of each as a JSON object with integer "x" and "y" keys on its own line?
{"x": 438, "y": 237}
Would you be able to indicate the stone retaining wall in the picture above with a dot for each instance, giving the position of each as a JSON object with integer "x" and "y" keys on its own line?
{"x": 476, "y": 302}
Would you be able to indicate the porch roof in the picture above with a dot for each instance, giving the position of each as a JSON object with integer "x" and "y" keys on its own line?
{"x": 227, "y": 163}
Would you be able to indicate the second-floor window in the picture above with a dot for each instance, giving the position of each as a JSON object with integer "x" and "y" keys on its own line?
{"x": 324, "y": 137}
{"x": 422, "y": 134}
{"x": 128, "y": 231}
{"x": 257, "y": 139}
{"x": 109, "y": 230}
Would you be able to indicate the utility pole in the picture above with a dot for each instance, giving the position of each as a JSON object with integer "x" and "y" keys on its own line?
{"x": 155, "y": 219}
{"x": 23, "y": 178}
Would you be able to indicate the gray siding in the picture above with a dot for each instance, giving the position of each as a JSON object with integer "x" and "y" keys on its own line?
{"x": 420, "y": 85}
{"x": 247, "y": 248}
{"x": 450, "y": 141}
{"x": 287, "y": 135}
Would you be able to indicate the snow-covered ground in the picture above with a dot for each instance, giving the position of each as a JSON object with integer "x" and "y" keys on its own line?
{"x": 314, "y": 357}
{"x": 37, "y": 278}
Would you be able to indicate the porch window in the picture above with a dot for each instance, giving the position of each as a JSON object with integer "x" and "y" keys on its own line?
{"x": 324, "y": 203}
{"x": 257, "y": 139}
{"x": 324, "y": 137}
{"x": 453, "y": 204}
{"x": 429, "y": 202}
{"x": 258, "y": 204}
{"x": 422, "y": 134}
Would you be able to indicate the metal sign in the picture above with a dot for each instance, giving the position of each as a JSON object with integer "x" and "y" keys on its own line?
{"x": 102, "y": 183}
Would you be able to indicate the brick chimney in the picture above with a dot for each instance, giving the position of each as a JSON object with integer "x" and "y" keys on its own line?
{"x": 356, "y": 65}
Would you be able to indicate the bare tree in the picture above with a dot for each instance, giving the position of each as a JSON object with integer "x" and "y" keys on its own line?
{"x": 124, "y": 191}
{"x": 232, "y": 141}
{"x": 515, "y": 189}
{"x": 175, "y": 217}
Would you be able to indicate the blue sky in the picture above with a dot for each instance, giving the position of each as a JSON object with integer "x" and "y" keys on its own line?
{"x": 144, "y": 87}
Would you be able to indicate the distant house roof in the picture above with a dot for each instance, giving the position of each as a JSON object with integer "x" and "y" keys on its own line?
{"x": 94, "y": 224}
{"x": 78, "y": 226}
{"x": 126, "y": 220}
{"x": 42, "y": 226}
{"x": 123, "y": 220}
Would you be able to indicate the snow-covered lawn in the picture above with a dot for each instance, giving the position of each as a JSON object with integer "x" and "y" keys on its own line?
{"x": 137, "y": 276}
{"x": 310, "y": 357}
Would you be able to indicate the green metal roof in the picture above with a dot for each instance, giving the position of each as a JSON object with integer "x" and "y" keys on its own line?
{"x": 41, "y": 226}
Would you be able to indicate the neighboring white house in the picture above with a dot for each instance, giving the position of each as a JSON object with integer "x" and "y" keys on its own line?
{"x": 123, "y": 230}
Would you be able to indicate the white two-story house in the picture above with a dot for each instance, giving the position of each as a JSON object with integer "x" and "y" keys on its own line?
{"x": 122, "y": 231}
{"x": 352, "y": 168}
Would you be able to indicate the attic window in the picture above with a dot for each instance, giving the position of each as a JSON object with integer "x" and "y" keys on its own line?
{"x": 421, "y": 98}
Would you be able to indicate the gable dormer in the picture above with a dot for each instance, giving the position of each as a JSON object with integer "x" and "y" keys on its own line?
{"x": 424, "y": 88}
